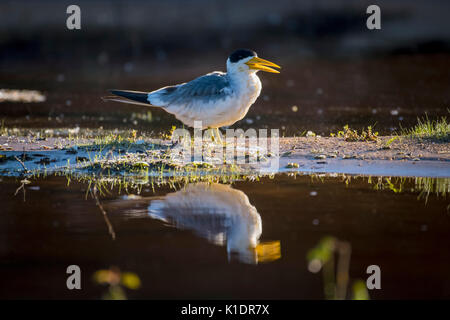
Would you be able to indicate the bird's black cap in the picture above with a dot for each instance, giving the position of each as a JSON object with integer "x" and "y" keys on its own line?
{"x": 241, "y": 54}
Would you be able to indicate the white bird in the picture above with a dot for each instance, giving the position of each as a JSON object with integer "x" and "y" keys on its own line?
{"x": 216, "y": 99}
{"x": 217, "y": 212}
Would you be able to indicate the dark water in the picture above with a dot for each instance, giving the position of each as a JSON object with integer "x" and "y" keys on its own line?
{"x": 199, "y": 241}
{"x": 388, "y": 93}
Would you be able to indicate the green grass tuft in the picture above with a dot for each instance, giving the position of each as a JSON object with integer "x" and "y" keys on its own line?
{"x": 353, "y": 135}
{"x": 438, "y": 130}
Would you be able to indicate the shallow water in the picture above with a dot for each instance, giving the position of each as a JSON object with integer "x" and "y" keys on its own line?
{"x": 201, "y": 241}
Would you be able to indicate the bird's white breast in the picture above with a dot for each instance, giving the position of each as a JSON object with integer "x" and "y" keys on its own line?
{"x": 249, "y": 89}
{"x": 223, "y": 110}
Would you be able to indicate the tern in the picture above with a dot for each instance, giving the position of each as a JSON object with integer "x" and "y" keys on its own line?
{"x": 217, "y": 212}
{"x": 216, "y": 99}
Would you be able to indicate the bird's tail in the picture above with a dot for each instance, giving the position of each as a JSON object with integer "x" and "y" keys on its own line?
{"x": 127, "y": 96}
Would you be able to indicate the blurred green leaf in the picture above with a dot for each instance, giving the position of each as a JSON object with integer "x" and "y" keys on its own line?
{"x": 360, "y": 291}
{"x": 322, "y": 251}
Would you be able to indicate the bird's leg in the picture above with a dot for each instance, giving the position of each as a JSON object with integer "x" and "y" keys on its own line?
{"x": 219, "y": 138}
{"x": 213, "y": 138}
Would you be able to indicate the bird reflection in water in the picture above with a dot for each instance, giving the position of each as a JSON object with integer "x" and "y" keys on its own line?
{"x": 220, "y": 214}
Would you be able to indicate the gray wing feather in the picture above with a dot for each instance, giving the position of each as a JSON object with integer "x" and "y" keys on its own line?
{"x": 205, "y": 87}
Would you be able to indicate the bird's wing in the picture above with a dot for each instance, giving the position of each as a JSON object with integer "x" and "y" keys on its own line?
{"x": 212, "y": 85}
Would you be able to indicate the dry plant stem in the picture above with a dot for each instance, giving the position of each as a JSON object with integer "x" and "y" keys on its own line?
{"x": 105, "y": 215}
{"x": 18, "y": 189}
{"x": 22, "y": 164}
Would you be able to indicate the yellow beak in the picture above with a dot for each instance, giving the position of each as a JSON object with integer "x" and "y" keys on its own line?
{"x": 262, "y": 64}
{"x": 268, "y": 251}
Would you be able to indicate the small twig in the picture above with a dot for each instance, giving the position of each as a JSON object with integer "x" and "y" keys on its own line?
{"x": 105, "y": 215}
{"x": 22, "y": 186}
{"x": 21, "y": 162}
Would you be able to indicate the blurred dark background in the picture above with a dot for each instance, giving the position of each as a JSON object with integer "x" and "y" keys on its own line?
{"x": 335, "y": 70}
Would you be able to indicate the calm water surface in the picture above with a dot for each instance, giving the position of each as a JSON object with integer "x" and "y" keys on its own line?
{"x": 248, "y": 240}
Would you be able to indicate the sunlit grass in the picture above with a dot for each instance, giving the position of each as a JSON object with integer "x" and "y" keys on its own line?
{"x": 349, "y": 134}
{"x": 430, "y": 129}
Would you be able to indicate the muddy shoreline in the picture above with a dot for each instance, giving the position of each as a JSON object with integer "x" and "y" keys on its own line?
{"x": 385, "y": 157}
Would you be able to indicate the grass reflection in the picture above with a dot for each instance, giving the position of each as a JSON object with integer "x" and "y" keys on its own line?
{"x": 332, "y": 256}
